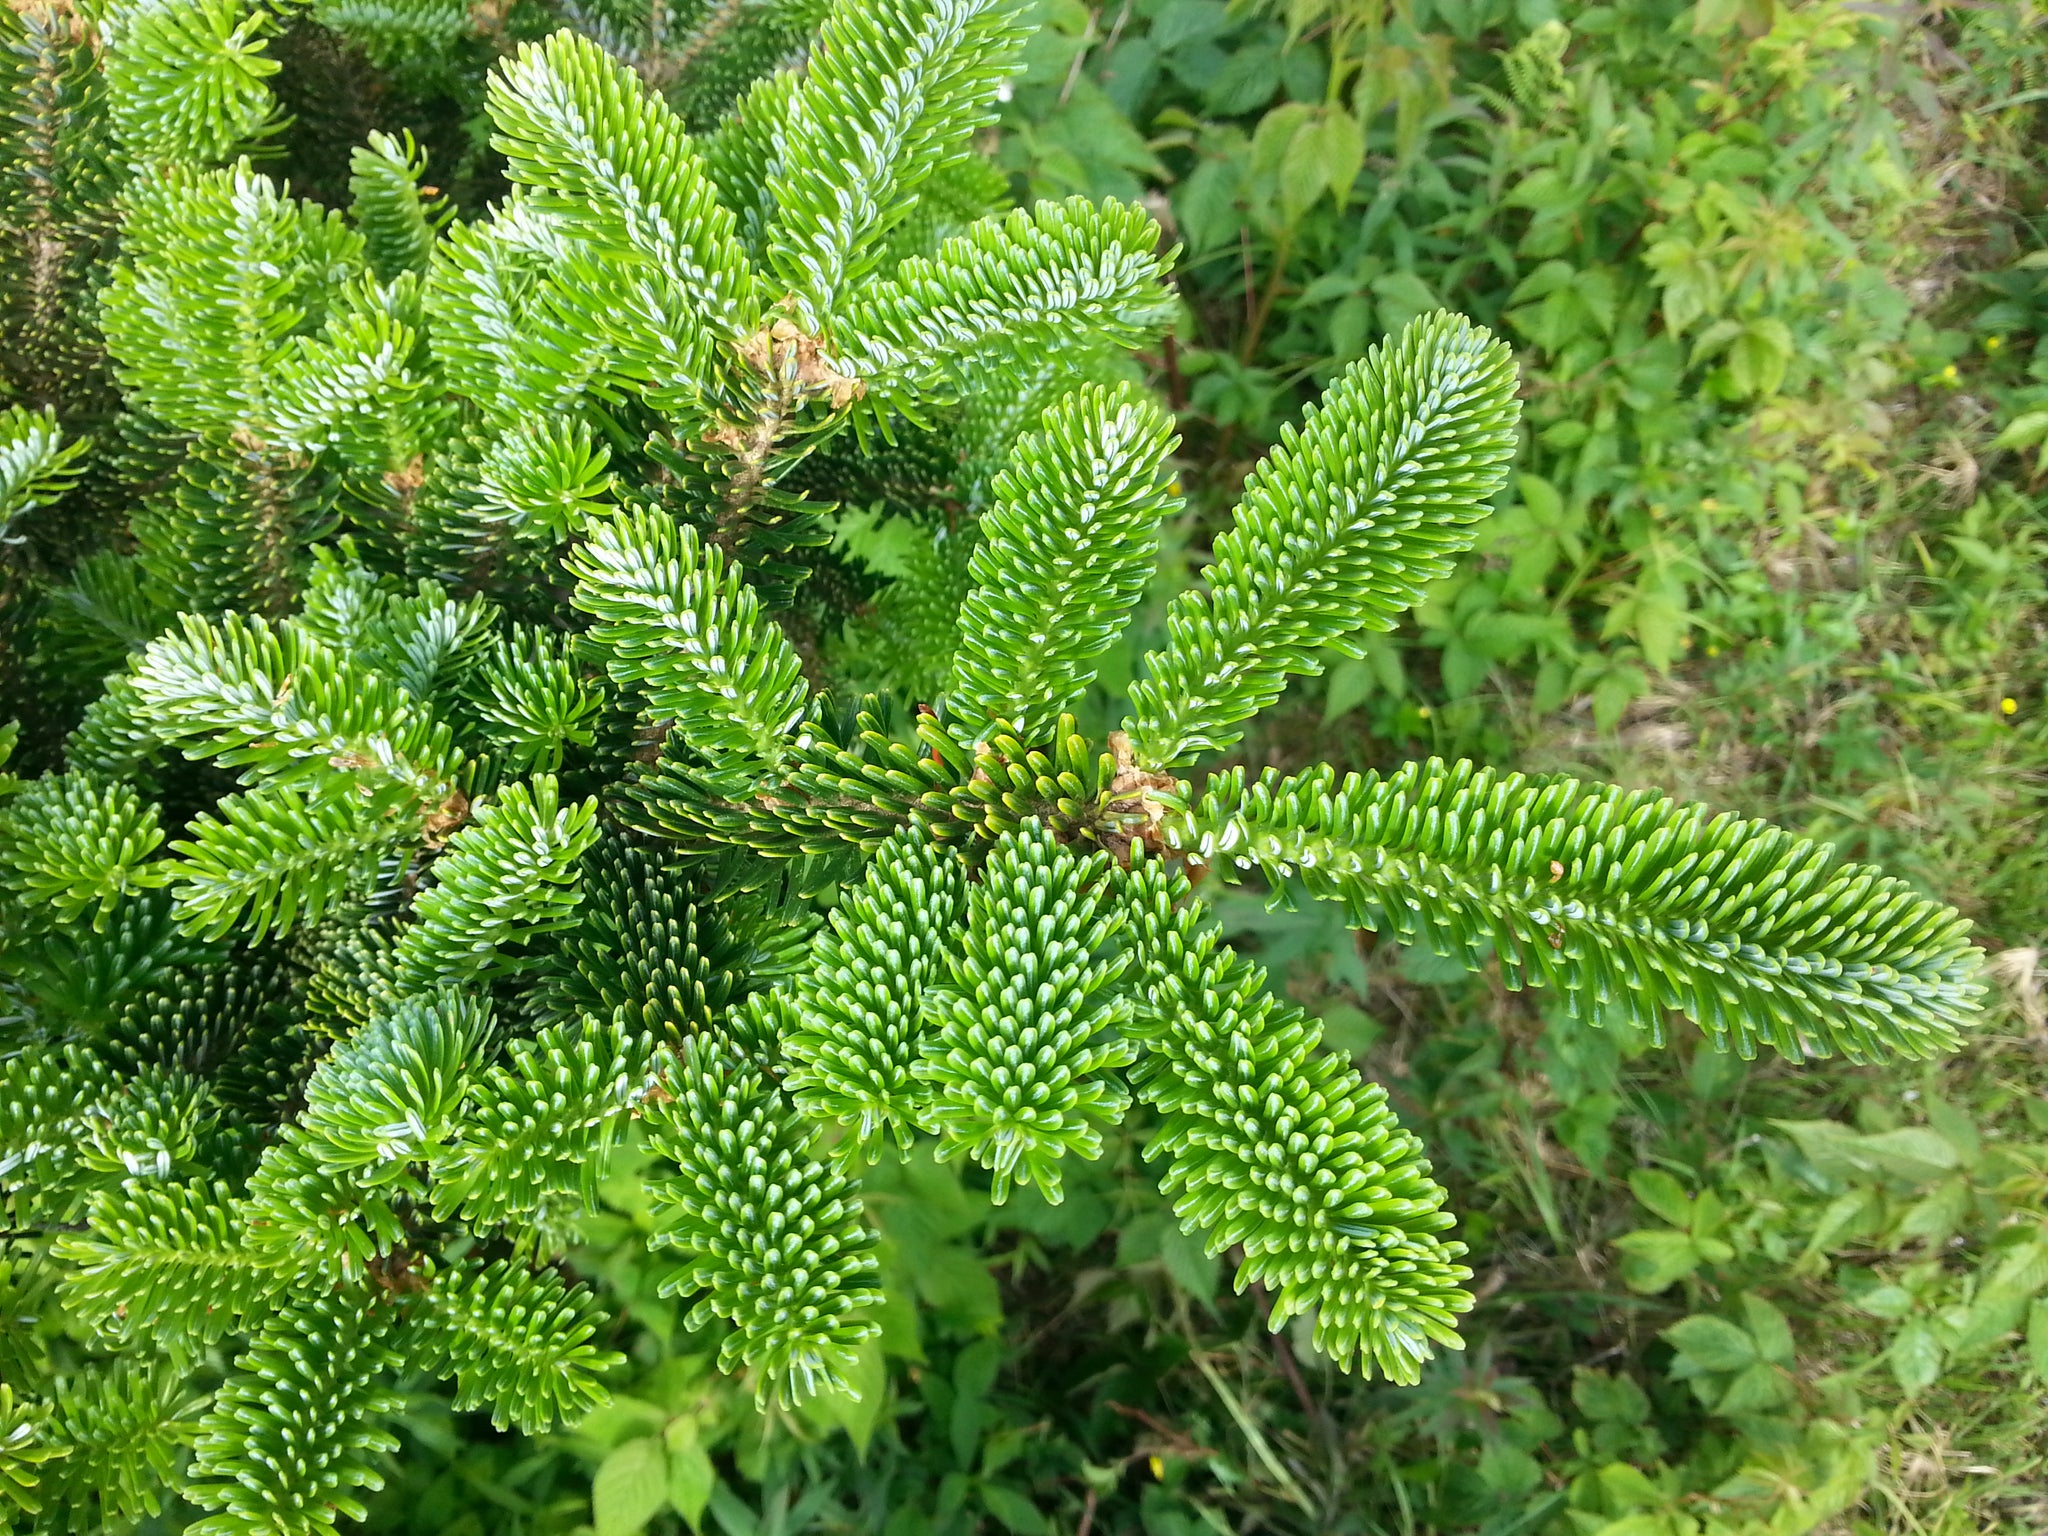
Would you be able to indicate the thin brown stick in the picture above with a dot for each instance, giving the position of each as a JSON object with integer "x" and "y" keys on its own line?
{"x": 1288, "y": 1366}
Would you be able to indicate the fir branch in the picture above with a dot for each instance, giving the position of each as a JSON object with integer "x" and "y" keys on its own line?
{"x": 278, "y": 702}
{"x": 399, "y": 219}
{"x": 543, "y": 1122}
{"x": 905, "y": 643}
{"x": 275, "y": 857}
{"x": 1053, "y": 278}
{"x": 361, "y": 385}
{"x": 614, "y": 164}
{"x": 652, "y": 946}
{"x": 389, "y": 1096}
{"x": 1021, "y": 1049}
{"x": 36, "y": 464}
{"x": 166, "y": 1262}
{"x": 185, "y": 78}
{"x": 26, "y": 1451}
{"x": 80, "y": 846}
{"x": 294, "y": 1432}
{"x": 57, "y": 213}
{"x": 1065, "y": 553}
{"x": 1280, "y": 1149}
{"x": 311, "y": 1221}
{"x": 125, "y": 1427}
{"x": 854, "y": 1047}
{"x": 516, "y": 1341}
{"x": 507, "y": 877}
{"x": 1625, "y": 901}
{"x": 535, "y": 703}
{"x": 487, "y": 302}
{"x": 153, "y": 1128}
{"x": 895, "y": 90}
{"x": 218, "y": 273}
{"x": 741, "y": 153}
{"x": 44, "y": 1097}
{"x": 675, "y": 620}
{"x": 771, "y": 1233}
{"x": 549, "y": 476}
{"x": 1338, "y": 531}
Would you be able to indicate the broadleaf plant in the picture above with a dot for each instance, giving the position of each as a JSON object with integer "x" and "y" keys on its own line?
{"x": 505, "y": 741}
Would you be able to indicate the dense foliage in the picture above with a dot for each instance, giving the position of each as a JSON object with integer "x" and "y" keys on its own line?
{"x": 605, "y": 928}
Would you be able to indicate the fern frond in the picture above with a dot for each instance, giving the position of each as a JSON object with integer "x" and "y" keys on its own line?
{"x": 894, "y": 91}
{"x": 1338, "y": 531}
{"x": 296, "y": 1430}
{"x": 1065, "y": 553}
{"x": 678, "y": 622}
{"x": 1277, "y": 1147}
{"x": 507, "y": 877}
{"x": 1021, "y": 1049}
{"x": 854, "y": 1048}
{"x": 1625, "y": 901}
{"x": 516, "y": 1341}
{"x": 772, "y": 1235}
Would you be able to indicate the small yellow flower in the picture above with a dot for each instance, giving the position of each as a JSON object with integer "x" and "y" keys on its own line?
{"x": 1713, "y": 650}
{"x": 1423, "y": 712}
{"x": 1158, "y": 1470}
{"x": 1710, "y": 504}
{"x": 1993, "y": 343}
{"x": 2008, "y": 706}
{"x": 1949, "y": 374}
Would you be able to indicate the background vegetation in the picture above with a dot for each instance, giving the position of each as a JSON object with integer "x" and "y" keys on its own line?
{"x": 1777, "y": 285}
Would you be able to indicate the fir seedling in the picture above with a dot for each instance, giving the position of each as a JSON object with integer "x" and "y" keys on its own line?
{"x": 467, "y": 787}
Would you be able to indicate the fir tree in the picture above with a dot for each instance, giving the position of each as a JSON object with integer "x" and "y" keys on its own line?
{"x": 467, "y": 782}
